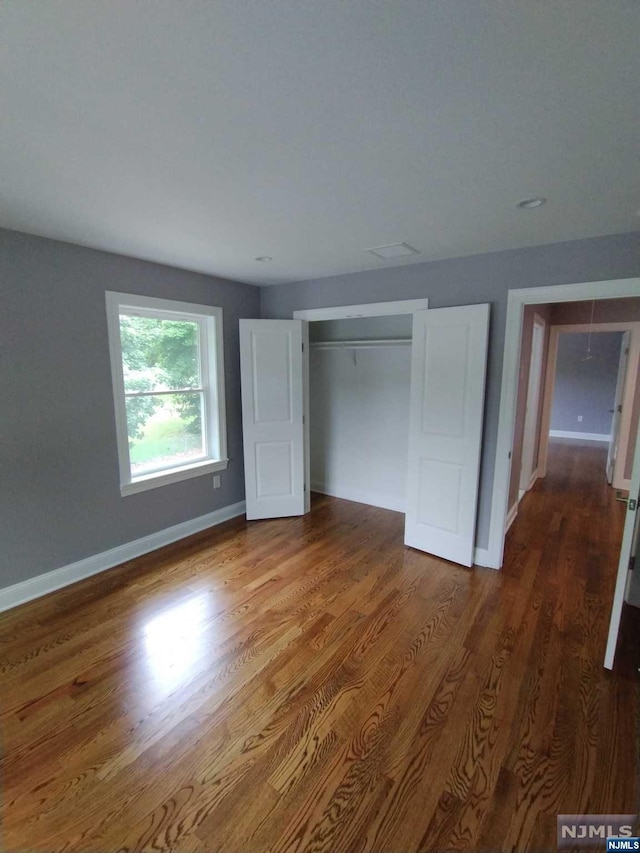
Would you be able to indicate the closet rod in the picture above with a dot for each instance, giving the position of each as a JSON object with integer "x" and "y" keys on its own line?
{"x": 370, "y": 344}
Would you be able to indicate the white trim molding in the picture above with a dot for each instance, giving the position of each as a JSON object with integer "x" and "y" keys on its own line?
{"x": 373, "y": 309}
{"x": 579, "y": 436}
{"x": 517, "y": 300}
{"x": 20, "y": 593}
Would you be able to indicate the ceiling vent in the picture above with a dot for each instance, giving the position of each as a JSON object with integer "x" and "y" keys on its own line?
{"x": 393, "y": 250}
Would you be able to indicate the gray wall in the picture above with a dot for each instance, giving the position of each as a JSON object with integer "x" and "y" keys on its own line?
{"x": 462, "y": 281}
{"x": 60, "y": 497}
{"x": 583, "y": 387}
{"x": 606, "y": 311}
{"x": 362, "y": 328}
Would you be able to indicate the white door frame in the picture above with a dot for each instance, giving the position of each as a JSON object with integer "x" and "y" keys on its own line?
{"x": 517, "y": 299}
{"x": 534, "y": 387}
{"x": 372, "y": 309}
{"x": 623, "y": 366}
{"x": 619, "y": 481}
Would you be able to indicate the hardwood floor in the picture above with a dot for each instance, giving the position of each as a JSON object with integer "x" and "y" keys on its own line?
{"x": 310, "y": 684}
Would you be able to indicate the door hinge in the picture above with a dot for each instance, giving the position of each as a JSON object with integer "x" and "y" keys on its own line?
{"x": 303, "y": 346}
{"x": 632, "y": 564}
{"x": 630, "y": 502}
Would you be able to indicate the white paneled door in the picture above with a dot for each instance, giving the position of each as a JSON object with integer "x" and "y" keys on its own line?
{"x": 628, "y": 550}
{"x": 448, "y": 367}
{"x": 273, "y": 381}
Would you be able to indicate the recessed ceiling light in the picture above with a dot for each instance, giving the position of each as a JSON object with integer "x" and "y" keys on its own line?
{"x": 530, "y": 203}
{"x": 264, "y": 259}
{"x": 393, "y": 250}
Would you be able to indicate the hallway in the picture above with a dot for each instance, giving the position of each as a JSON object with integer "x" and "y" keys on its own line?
{"x": 573, "y": 517}
{"x": 572, "y": 509}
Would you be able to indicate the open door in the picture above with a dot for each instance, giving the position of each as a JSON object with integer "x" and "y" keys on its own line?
{"x": 627, "y": 551}
{"x": 273, "y": 372}
{"x": 617, "y": 406}
{"x": 448, "y": 366}
{"x": 530, "y": 433}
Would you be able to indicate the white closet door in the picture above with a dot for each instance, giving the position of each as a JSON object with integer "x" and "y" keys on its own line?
{"x": 273, "y": 402}
{"x": 448, "y": 367}
{"x": 628, "y": 549}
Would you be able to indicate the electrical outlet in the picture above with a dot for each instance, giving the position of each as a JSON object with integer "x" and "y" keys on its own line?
{"x": 216, "y": 481}
{"x": 579, "y": 419}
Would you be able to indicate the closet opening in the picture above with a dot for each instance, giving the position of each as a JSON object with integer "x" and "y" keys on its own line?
{"x": 359, "y": 383}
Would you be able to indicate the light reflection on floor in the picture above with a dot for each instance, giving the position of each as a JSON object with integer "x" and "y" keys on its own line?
{"x": 176, "y": 640}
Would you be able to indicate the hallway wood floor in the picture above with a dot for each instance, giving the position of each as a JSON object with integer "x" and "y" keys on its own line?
{"x": 310, "y": 684}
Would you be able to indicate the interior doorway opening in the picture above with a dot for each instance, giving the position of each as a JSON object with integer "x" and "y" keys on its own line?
{"x": 602, "y": 358}
{"x": 359, "y": 386}
{"x": 608, "y": 295}
{"x": 581, "y": 386}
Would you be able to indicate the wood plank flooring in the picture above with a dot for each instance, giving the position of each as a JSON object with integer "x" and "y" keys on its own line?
{"x": 310, "y": 684}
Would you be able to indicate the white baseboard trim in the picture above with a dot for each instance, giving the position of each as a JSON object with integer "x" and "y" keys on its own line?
{"x": 522, "y": 492}
{"x": 358, "y": 495}
{"x": 19, "y": 593}
{"x": 511, "y": 516}
{"x": 579, "y": 436}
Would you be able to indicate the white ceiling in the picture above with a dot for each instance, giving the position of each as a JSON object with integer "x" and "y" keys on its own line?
{"x": 204, "y": 133}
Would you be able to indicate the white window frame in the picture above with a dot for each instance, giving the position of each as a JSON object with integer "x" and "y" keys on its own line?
{"x": 209, "y": 320}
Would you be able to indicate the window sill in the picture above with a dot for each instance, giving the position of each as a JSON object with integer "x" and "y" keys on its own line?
{"x": 175, "y": 475}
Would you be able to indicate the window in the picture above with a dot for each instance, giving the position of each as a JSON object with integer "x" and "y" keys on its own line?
{"x": 168, "y": 389}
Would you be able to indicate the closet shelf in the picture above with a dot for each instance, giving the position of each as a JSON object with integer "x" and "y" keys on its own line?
{"x": 372, "y": 343}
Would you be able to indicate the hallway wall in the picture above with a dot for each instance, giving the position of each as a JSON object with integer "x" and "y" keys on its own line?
{"x": 585, "y": 386}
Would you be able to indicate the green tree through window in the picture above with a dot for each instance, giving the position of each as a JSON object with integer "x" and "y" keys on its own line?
{"x": 160, "y": 355}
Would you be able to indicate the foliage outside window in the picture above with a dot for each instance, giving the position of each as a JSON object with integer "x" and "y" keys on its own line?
{"x": 166, "y": 360}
